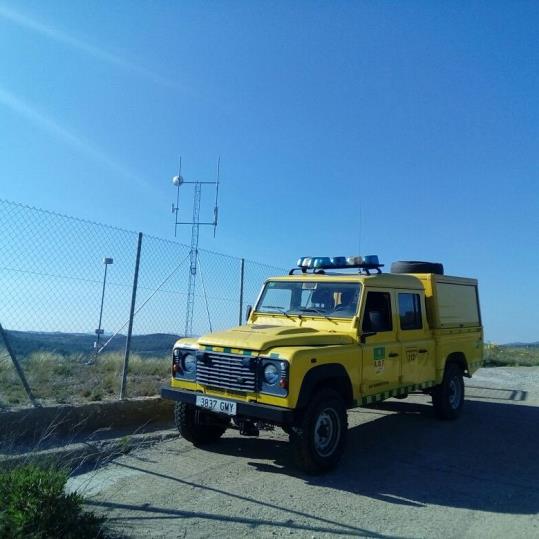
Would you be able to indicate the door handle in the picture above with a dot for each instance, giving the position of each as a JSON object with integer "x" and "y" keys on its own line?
{"x": 393, "y": 354}
{"x": 423, "y": 351}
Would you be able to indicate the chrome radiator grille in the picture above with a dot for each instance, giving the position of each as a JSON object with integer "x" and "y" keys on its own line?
{"x": 225, "y": 371}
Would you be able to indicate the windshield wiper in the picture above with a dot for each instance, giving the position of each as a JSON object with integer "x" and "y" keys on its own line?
{"x": 315, "y": 310}
{"x": 280, "y": 309}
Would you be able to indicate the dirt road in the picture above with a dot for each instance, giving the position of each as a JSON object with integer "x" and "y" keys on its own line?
{"x": 404, "y": 474}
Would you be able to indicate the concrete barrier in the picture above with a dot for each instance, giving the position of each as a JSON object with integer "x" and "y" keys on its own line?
{"x": 32, "y": 424}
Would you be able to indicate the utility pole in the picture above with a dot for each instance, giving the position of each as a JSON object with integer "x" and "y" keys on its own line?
{"x": 195, "y": 223}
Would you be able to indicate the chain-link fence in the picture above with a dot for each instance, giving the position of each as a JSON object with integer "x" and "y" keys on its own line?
{"x": 67, "y": 287}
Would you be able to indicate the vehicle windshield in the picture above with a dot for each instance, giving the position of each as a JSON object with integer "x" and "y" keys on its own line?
{"x": 308, "y": 298}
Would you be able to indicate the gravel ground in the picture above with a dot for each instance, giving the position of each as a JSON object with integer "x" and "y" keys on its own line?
{"x": 518, "y": 378}
{"x": 404, "y": 474}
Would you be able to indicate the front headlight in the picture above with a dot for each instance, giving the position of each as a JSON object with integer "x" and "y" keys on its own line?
{"x": 189, "y": 363}
{"x": 271, "y": 374}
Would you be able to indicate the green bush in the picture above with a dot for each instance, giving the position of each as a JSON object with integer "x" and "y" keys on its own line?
{"x": 33, "y": 504}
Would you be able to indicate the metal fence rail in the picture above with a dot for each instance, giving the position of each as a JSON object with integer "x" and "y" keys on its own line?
{"x": 67, "y": 287}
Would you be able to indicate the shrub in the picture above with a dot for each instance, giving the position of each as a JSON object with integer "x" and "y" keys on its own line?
{"x": 33, "y": 504}
{"x": 511, "y": 356}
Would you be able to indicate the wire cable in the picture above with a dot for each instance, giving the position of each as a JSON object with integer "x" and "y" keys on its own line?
{"x": 145, "y": 302}
{"x": 204, "y": 290}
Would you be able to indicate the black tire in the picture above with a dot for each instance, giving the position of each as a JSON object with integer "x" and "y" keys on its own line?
{"x": 188, "y": 421}
{"x": 315, "y": 449}
{"x": 415, "y": 266}
{"x": 448, "y": 397}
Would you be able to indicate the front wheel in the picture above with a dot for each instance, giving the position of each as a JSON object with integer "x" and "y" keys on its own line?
{"x": 196, "y": 426}
{"x": 319, "y": 438}
{"x": 448, "y": 397}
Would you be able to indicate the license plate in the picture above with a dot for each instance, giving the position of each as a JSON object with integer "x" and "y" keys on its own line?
{"x": 216, "y": 405}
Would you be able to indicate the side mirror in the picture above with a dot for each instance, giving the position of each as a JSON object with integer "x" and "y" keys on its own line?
{"x": 248, "y": 311}
{"x": 363, "y": 336}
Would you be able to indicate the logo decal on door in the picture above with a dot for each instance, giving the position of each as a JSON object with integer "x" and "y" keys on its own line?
{"x": 379, "y": 354}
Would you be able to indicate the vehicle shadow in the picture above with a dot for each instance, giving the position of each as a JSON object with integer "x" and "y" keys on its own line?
{"x": 487, "y": 460}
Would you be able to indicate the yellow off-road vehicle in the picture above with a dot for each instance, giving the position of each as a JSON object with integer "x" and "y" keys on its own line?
{"x": 319, "y": 342}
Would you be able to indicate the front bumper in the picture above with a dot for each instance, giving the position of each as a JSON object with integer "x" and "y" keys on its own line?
{"x": 265, "y": 412}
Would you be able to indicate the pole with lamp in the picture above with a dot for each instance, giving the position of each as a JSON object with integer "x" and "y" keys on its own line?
{"x": 99, "y": 331}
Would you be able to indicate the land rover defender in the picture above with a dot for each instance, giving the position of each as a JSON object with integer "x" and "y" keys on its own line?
{"x": 333, "y": 334}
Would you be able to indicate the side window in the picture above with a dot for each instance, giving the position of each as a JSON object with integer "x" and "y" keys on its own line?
{"x": 377, "y": 315}
{"x": 410, "y": 311}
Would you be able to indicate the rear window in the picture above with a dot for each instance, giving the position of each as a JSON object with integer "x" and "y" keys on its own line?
{"x": 458, "y": 305}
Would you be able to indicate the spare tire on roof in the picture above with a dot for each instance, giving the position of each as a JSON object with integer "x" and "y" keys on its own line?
{"x": 415, "y": 266}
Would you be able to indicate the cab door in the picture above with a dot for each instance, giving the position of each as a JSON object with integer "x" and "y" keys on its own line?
{"x": 381, "y": 356}
{"x": 417, "y": 344}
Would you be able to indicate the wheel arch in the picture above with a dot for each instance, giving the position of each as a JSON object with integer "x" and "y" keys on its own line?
{"x": 458, "y": 358}
{"x": 332, "y": 376}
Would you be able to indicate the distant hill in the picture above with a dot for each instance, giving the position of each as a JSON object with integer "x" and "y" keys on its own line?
{"x": 154, "y": 344}
{"x": 26, "y": 342}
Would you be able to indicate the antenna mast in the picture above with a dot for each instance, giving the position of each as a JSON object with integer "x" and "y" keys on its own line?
{"x": 195, "y": 223}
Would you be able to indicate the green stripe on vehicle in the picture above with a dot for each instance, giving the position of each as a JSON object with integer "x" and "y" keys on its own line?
{"x": 369, "y": 399}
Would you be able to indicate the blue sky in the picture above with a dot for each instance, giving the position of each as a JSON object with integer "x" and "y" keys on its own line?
{"x": 422, "y": 117}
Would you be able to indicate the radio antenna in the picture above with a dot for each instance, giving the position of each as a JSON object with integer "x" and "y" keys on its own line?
{"x": 360, "y": 229}
{"x": 195, "y": 223}
{"x": 177, "y": 181}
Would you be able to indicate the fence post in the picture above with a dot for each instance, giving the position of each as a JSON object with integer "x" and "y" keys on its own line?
{"x": 242, "y": 275}
{"x": 131, "y": 316}
{"x": 18, "y": 368}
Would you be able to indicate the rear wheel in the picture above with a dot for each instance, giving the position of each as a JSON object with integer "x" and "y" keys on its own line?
{"x": 319, "y": 438}
{"x": 197, "y": 426}
{"x": 448, "y": 397}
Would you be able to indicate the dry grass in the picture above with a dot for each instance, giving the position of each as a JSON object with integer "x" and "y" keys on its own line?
{"x": 55, "y": 378}
{"x": 511, "y": 356}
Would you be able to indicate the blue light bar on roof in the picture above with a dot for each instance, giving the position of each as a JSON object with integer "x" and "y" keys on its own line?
{"x": 338, "y": 262}
{"x": 354, "y": 261}
{"x": 372, "y": 260}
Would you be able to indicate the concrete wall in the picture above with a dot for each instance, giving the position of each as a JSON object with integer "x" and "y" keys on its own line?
{"x": 33, "y": 424}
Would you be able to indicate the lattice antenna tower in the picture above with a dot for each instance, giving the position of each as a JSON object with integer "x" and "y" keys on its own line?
{"x": 195, "y": 223}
